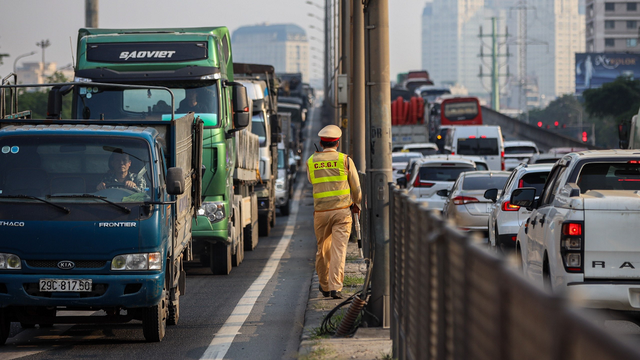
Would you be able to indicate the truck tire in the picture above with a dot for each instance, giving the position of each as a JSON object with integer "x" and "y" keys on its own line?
{"x": 154, "y": 320}
{"x": 286, "y": 208}
{"x": 264, "y": 225}
{"x": 220, "y": 258}
{"x": 238, "y": 257}
{"x": 5, "y": 326}
{"x": 250, "y": 237}
{"x": 174, "y": 311}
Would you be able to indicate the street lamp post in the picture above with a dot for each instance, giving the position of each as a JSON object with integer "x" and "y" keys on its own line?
{"x": 43, "y": 44}
{"x": 15, "y": 62}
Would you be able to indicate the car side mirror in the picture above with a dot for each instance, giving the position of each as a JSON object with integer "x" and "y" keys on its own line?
{"x": 443, "y": 193}
{"x": 491, "y": 194}
{"x": 402, "y": 182}
{"x": 175, "y": 181}
{"x": 523, "y": 197}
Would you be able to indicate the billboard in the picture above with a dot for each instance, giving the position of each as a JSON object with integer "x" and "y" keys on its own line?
{"x": 595, "y": 69}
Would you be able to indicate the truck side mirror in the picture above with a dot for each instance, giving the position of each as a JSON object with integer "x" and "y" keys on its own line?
{"x": 523, "y": 197}
{"x": 175, "y": 181}
{"x": 491, "y": 194}
{"x": 241, "y": 108}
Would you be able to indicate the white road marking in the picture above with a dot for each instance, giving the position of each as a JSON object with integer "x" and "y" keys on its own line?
{"x": 223, "y": 339}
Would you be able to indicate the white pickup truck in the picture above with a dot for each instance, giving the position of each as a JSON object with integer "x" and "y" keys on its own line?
{"x": 583, "y": 234}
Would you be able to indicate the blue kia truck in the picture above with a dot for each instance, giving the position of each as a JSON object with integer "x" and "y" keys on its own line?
{"x": 96, "y": 215}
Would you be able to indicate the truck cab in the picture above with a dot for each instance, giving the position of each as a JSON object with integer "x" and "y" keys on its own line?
{"x": 96, "y": 215}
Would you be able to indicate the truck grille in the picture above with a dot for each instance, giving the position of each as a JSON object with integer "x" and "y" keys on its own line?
{"x": 80, "y": 264}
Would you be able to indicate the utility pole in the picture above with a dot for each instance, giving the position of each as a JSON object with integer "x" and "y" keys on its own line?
{"x": 378, "y": 96}
{"x": 43, "y": 44}
{"x": 357, "y": 70}
{"x": 91, "y": 13}
{"x": 495, "y": 67}
{"x": 522, "y": 42}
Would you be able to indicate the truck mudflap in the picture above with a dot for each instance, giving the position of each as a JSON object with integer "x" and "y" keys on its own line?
{"x": 611, "y": 246}
{"x": 126, "y": 291}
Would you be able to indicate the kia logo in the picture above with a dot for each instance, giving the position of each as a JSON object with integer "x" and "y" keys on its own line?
{"x": 66, "y": 265}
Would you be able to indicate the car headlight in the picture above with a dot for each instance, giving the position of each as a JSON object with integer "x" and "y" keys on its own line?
{"x": 10, "y": 262}
{"x": 214, "y": 211}
{"x": 280, "y": 184}
{"x": 142, "y": 261}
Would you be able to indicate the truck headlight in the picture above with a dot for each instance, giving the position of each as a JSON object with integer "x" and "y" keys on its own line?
{"x": 262, "y": 193}
{"x": 214, "y": 211}
{"x": 10, "y": 262}
{"x": 142, "y": 261}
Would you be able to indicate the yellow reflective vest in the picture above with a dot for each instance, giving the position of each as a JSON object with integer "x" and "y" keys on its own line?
{"x": 330, "y": 181}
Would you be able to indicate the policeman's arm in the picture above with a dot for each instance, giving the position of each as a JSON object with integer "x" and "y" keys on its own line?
{"x": 354, "y": 183}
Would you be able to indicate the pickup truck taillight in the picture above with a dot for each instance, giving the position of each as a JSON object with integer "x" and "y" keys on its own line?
{"x": 502, "y": 160}
{"x": 507, "y": 206}
{"x": 572, "y": 246}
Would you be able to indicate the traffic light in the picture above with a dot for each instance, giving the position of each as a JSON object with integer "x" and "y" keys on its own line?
{"x": 540, "y": 124}
{"x": 584, "y": 136}
{"x": 556, "y": 123}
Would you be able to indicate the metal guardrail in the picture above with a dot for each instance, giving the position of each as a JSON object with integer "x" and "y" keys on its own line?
{"x": 451, "y": 299}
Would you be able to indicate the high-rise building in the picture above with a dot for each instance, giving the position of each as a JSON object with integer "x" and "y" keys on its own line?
{"x": 612, "y": 26}
{"x": 450, "y": 42}
{"x": 284, "y": 46}
{"x": 558, "y": 27}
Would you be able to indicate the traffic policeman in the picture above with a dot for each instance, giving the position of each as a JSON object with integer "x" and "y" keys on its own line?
{"x": 336, "y": 194}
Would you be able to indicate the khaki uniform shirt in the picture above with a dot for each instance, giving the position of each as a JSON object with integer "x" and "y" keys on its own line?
{"x": 354, "y": 185}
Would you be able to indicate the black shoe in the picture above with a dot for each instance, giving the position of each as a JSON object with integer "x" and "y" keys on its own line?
{"x": 324, "y": 293}
{"x": 336, "y": 294}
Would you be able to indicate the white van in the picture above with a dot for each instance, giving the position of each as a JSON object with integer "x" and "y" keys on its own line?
{"x": 482, "y": 140}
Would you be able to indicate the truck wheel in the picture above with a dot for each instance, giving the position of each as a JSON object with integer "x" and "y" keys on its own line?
{"x": 220, "y": 258}
{"x": 264, "y": 225}
{"x": 174, "y": 312}
{"x": 286, "y": 208}
{"x": 5, "y": 326}
{"x": 154, "y": 320}
{"x": 237, "y": 258}
{"x": 250, "y": 237}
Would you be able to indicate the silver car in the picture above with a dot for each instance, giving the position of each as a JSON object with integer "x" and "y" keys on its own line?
{"x": 466, "y": 204}
{"x": 505, "y": 218}
{"x": 435, "y": 173}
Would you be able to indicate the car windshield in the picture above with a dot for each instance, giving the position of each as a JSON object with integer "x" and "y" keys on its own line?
{"x": 94, "y": 102}
{"x": 58, "y": 167}
{"x": 478, "y": 146}
{"x": 609, "y": 176}
{"x": 484, "y": 182}
{"x": 443, "y": 173}
{"x": 534, "y": 180}
{"x": 403, "y": 158}
{"x": 510, "y": 150}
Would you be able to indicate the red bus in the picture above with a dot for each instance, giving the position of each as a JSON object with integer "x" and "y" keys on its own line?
{"x": 458, "y": 111}
{"x": 451, "y": 110}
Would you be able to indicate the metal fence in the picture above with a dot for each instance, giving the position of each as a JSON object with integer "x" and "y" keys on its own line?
{"x": 451, "y": 299}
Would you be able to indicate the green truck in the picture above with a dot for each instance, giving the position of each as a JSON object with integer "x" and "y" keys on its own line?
{"x": 196, "y": 64}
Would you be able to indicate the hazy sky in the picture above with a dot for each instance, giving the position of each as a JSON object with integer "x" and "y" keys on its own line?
{"x": 26, "y": 22}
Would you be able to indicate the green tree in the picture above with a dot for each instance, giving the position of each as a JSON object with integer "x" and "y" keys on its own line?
{"x": 36, "y": 100}
{"x": 618, "y": 99}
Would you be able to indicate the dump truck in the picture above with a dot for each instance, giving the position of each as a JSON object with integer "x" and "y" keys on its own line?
{"x": 196, "y": 64}
{"x": 96, "y": 214}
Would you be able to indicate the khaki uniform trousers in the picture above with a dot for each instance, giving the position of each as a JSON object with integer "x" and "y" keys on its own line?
{"x": 332, "y": 229}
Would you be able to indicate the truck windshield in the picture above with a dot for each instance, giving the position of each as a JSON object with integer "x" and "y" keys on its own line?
{"x": 280, "y": 158}
{"x": 57, "y": 167}
{"x": 258, "y": 127}
{"x": 151, "y": 104}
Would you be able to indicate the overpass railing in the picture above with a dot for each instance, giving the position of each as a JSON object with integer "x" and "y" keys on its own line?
{"x": 451, "y": 299}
